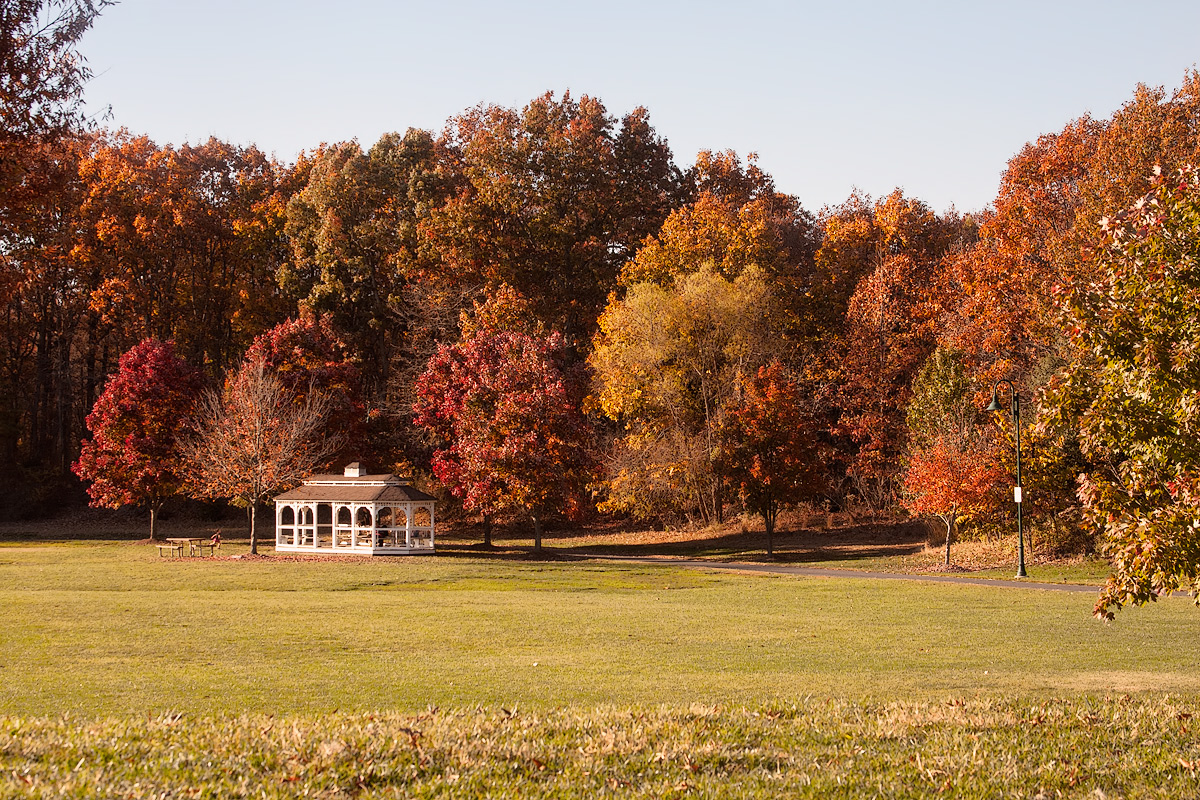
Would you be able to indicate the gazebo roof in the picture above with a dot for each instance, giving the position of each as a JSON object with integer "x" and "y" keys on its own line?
{"x": 354, "y": 487}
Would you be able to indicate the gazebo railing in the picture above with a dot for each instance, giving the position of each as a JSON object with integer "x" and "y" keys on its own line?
{"x": 402, "y": 538}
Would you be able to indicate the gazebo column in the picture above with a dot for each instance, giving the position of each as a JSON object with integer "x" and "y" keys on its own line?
{"x": 408, "y": 515}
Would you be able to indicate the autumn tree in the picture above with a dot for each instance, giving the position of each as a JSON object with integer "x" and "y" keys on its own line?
{"x": 256, "y": 438}
{"x": 951, "y": 479}
{"x": 557, "y": 196}
{"x": 1133, "y": 385}
{"x": 952, "y": 471}
{"x": 1044, "y": 226}
{"x": 182, "y": 242}
{"x": 504, "y": 408}
{"x": 896, "y": 246}
{"x": 1042, "y": 235}
{"x": 771, "y": 439}
{"x": 108, "y": 239}
{"x": 738, "y": 218}
{"x": 1002, "y": 319}
{"x": 42, "y": 74}
{"x": 306, "y": 355}
{"x": 667, "y": 361}
{"x": 138, "y": 426}
{"x": 45, "y": 392}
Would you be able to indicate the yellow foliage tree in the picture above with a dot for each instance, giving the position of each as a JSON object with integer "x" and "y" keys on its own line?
{"x": 667, "y": 362}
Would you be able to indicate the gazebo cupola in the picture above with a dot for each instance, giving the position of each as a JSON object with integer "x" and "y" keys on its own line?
{"x": 354, "y": 513}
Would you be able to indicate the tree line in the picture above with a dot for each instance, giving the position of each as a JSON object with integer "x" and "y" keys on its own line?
{"x": 544, "y": 308}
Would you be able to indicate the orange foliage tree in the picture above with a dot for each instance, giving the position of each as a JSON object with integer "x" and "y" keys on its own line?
{"x": 896, "y": 247}
{"x": 554, "y": 199}
{"x": 952, "y": 481}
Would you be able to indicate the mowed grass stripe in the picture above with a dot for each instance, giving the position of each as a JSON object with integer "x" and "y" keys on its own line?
{"x": 108, "y": 629}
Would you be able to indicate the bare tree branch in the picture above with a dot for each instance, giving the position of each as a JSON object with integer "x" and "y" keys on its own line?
{"x": 257, "y": 439}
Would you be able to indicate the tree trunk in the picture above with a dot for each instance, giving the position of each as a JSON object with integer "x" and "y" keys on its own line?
{"x": 154, "y": 522}
{"x": 253, "y": 531}
{"x": 949, "y": 534}
{"x": 487, "y": 530}
{"x": 537, "y": 530}
{"x": 769, "y": 520}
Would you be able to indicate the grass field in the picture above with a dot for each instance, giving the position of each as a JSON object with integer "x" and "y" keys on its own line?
{"x": 142, "y": 670}
{"x": 810, "y": 748}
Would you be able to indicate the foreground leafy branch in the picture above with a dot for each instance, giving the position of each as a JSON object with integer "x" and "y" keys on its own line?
{"x": 1135, "y": 389}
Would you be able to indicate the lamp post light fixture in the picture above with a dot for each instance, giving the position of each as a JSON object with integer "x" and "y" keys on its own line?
{"x": 1016, "y": 416}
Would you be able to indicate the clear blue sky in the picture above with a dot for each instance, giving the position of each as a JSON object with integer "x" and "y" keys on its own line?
{"x": 933, "y": 97}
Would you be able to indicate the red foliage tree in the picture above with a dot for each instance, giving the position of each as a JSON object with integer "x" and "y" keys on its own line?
{"x": 305, "y": 355}
{"x": 505, "y": 410}
{"x": 137, "y": 425}
{"x": 772, "y": 442}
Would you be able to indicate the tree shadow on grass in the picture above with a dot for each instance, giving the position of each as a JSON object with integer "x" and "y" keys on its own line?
{"x": 132, "y": 525}
{"x": 851, "y": 542}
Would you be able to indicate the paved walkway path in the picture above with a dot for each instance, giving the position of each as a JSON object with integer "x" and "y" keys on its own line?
{"x": 818, "y": 572}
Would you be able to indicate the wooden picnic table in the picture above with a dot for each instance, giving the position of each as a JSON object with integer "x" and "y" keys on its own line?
{"x": 195, "y": 545}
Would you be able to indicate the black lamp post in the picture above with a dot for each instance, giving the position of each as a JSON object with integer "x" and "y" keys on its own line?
{"x": 1016, "y": 416}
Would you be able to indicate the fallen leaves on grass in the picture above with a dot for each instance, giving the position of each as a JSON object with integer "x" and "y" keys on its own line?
{"x": 968, "y": 747}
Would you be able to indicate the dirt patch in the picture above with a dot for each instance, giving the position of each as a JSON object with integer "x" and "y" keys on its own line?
{"x": 278, "y": 557}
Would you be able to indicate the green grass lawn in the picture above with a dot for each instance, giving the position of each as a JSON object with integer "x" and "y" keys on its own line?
{"x": 790, "y": 676}
{"x": 114, "y": 629}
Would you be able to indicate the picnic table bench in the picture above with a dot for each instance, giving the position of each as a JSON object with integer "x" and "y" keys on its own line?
{"x": 196, "y": 546}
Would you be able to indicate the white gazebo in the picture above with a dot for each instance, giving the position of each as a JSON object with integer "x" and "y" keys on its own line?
{"x": 354, "y": 514}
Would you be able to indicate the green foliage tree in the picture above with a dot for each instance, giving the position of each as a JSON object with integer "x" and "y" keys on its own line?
{"x": 1133, "y": 385}
{"x": 355, "y": 243}
{"x": 942, "y": 402}
{"x": 953, "y": 470}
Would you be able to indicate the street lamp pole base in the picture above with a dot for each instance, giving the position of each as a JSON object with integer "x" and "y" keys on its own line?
{"x": 1021, "y": 573}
